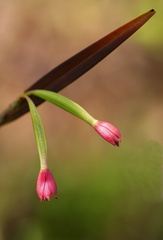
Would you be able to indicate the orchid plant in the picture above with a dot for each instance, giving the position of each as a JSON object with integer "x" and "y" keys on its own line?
{"x": 46, "y": 90}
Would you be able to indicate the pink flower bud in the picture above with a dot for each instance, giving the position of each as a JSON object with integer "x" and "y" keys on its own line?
{"x": 108, "y": 132}
{"x": 46, "y": 185}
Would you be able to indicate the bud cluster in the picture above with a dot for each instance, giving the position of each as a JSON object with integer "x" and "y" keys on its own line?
{"x": 46, "y": 185}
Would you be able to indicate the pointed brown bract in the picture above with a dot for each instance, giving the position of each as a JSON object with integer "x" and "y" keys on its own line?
{"x": 77, "y": 65}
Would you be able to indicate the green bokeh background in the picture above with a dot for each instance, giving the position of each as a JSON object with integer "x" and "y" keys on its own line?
{"x": 103, "y": 192}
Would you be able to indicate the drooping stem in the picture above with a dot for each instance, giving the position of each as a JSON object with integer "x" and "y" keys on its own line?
{"x": 39, "y": 133}
{"x": 64, "y": 103}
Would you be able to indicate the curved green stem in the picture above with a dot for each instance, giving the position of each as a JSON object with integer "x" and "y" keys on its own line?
{"x": 39, "y": 133}
{"x": 64, "y": 103}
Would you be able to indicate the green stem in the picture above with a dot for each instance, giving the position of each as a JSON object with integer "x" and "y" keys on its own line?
{"x": 39, "y": 133}
{"x": 64, "y": 103}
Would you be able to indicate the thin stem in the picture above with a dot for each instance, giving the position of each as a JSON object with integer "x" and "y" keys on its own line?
{"x": 64, "y": 103}
{"x": 39, "y": 133}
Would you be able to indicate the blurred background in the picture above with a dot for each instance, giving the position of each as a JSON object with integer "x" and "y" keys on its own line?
{"x": 103, "y": 192}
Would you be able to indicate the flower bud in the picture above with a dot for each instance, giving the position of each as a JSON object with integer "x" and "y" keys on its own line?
{"x": 107, "y": 131}
{"x": 46, "y": 185}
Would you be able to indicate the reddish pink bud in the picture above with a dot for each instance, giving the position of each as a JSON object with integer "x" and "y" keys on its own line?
{"x": 46, "y": 185}
{"x": 108, "y": 132}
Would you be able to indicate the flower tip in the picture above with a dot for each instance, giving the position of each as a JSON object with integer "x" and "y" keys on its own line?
{"x": 107, "y": 131}
{"x": 117, "y": 144}
{"x": 46, "y": 185}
